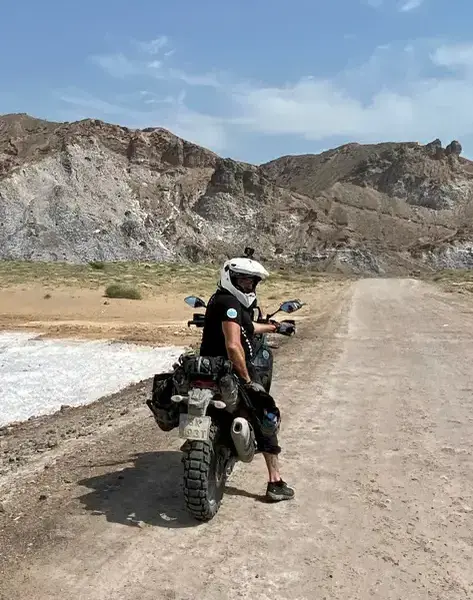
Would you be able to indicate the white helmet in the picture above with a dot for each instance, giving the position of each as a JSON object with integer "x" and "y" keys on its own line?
{"x": 242, "y": 267}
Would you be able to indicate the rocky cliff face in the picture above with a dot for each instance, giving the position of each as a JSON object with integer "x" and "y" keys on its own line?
{"x": 89, "y": 190}
{"x": 428, "y": 176}
{"x": 413, "y": 200}
{"x": 93, "y": 191}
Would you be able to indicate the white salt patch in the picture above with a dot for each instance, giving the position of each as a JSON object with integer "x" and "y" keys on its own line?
{"x": 37, "y": 376}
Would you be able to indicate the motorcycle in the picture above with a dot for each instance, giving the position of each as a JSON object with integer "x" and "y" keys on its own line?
{"x": 204, "y": 398}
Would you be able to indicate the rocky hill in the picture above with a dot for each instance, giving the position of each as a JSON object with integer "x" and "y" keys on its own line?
{"x": 429, "y": 176}
{"x": 406, "y": 198}
{"x": 93, "y": 191}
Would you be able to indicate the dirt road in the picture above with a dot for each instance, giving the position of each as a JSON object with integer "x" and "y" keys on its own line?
{"x": 377, "y": 438}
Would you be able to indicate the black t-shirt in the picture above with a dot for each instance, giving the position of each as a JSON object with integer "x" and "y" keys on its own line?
{"x": 222, "y": 307}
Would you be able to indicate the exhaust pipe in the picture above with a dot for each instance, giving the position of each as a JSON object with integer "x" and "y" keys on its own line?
{"x": 244, "y": 439}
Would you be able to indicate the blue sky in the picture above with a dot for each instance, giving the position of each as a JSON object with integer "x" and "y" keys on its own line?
{"x": 253, "y": 79}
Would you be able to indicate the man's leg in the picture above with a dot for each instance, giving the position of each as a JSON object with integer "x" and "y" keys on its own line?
{"x": 272, "y": 463}
{"x": 277, "y": 489}
{"x": 268, "y": 444}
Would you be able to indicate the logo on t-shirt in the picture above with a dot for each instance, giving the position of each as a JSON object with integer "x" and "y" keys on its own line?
{"x": 232, "y": 313}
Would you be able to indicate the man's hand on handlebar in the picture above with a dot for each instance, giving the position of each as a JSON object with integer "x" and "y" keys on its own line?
{"x": 284, "y": 327}
{"x": 265, "y": 327}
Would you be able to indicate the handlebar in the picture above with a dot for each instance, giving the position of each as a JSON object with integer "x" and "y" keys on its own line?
{"x": 198, "y": 320}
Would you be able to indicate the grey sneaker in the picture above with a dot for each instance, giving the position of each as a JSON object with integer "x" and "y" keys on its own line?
{"x": 275, "y": 492}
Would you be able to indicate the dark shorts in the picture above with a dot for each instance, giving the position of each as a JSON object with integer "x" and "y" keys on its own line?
{"x": 267, "y": 444}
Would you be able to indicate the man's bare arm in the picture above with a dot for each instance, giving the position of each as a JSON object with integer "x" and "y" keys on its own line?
{"x": 235, "y": 351}
{"x": 264, "y": 327}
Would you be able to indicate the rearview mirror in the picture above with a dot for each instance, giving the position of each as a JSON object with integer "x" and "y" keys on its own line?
{"x": 291, "y": 306}
{"x": 195, "y": 302}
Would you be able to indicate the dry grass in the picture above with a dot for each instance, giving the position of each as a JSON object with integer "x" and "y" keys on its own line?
{"x": 454, "y": 275}
{"x": 151, "y": 278}
{"x": 455, "y": 280}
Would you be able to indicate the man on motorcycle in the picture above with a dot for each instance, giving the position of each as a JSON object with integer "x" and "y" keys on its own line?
{"x": 229, "y": 330}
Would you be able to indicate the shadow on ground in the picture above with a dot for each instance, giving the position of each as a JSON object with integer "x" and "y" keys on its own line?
{"x": 148, "y": 493}
{"x": 233, "y": 491}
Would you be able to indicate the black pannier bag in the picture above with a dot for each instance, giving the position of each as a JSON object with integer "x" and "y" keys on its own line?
{"x": 165, "y": 412}
{"x": 206, "y": 367}
{"x": 189, "y": 368}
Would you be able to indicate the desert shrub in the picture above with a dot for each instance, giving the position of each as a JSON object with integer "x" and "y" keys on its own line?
{"x": 120, "y": 290}
{"x": 97, "y": 264}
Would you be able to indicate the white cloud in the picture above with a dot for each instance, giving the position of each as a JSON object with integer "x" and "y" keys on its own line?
{"x": 120, "y": 66}
{"x": 154, "y": 46}
{"x": 197, "y": 79}
{"x": 402, "y": 6}
{"x": 80, "y": 100}
{"x": 457, "y": 55}
{"x": 315, "y": 110}
{"x": 116, "y": 65}
{"x": 392, "y": 96}
{"x": 169, "y": 112}
{"x": 409, "y": 5}
{"x": 196, "y": 127}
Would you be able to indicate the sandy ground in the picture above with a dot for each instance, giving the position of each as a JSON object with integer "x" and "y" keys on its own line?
{"x": 160, "y": 318}
{"x": 86, "y": 313}
{"x": 377, "y": 439}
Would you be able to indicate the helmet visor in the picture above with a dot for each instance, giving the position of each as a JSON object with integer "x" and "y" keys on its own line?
{"x": 245, "y": 283}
